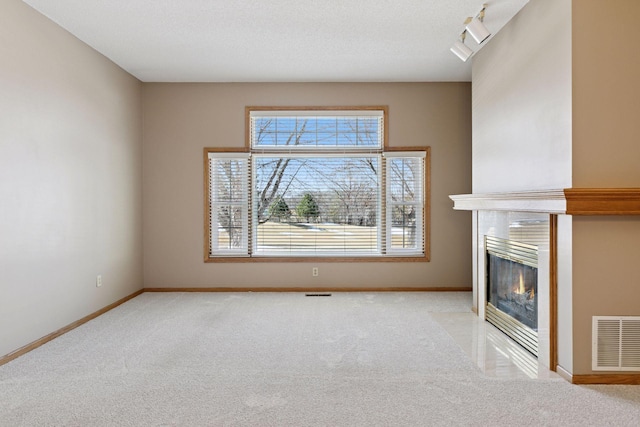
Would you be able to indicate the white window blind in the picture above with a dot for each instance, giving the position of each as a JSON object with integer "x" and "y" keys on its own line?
{"x": 323, "y": 206}
{"x": 405, "y": 202}
{"x": 299, "y": 130}
{"x": 229, "y": 203}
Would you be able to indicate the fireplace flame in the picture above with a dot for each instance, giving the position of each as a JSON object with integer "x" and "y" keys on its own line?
{"x": 521, "y": 289}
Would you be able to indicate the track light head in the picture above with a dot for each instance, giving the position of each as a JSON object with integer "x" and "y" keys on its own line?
{"x": 478, "y": 31}
{"x": 461, "y": 50}
{"x": 476, "y": 28}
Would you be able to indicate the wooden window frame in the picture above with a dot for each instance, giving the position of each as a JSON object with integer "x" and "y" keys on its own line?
{"x": 385, "y": 148}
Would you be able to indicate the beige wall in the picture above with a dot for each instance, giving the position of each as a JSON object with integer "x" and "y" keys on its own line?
{"x": 522, "y": 102}
{"x": 181, "y": 119}
{"x": 70, "y": 178}
{"x": 606, "y": 153}
{"x": 605, "y": 278}
{"x": 606, "y": 93}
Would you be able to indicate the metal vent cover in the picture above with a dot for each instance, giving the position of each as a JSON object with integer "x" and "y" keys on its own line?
{"x": 616, "y": 343}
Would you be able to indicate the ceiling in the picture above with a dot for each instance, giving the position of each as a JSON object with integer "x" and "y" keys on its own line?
{"x": 279, "y": 40}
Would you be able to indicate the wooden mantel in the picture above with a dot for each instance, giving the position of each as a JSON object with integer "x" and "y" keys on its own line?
{"x": 569, "y": 201}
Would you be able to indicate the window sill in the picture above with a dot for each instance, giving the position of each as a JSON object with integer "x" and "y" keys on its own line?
{"x": 245, "y": 259}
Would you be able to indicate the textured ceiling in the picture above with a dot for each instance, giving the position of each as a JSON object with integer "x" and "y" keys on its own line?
{"x": 279, "y": 40}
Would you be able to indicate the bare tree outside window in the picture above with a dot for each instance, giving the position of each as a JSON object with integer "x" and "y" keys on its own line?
{"x": 404, "y": 175}
{"x": 229, "y": 193}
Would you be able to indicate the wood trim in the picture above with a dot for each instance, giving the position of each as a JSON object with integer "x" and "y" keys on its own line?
{"x": 427, "y": 196}
{"x": 226, "y": 150}
{"x": 206, "y": 190}
{"x": 619, "y": 379}
{"x": 249, "y": 109}
{"x": 569, "y": 201}
{"x": 427, "y": 204}
{"x": 603, "y": 201}
{"x": 318, "y": 259}
{"x": 553, "y": 291}
{"x": 313, "y": 289}
{"x": 250, "y": 259}
{"x": 610, "y": 379}
{"x": 39, "y": 342}
{"x": 207, "y": 202}
{"x": 247, "y": 126}
{"x": 385, "y": 124}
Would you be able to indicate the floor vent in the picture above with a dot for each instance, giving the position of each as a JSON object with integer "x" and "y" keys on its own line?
{"x": 317, "y": 295}
{"x": 616, "y": 343}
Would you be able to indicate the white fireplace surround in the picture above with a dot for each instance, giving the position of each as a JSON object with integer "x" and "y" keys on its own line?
{"x": 525, "y": 227}
{"x": 496, "y": 213}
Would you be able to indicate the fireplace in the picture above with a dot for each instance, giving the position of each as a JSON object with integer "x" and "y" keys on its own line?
{"x": 512, "y": 290}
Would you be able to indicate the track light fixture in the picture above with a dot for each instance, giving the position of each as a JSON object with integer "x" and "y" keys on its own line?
{"x": 476, "y": 28}
{"x": 478, "y": 31}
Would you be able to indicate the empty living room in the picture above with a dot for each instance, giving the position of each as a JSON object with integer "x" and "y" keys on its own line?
{"x": 363, "y": 213}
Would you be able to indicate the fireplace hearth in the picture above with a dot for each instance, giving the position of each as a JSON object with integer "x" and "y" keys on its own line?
{"x": 512, "y": 290}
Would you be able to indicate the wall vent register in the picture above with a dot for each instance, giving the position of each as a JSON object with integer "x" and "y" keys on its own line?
{"x": 616, "y": 343}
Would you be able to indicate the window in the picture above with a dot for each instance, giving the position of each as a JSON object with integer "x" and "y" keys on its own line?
{"x": 316, "y": 183}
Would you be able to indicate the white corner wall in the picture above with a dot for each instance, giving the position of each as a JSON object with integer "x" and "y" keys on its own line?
{"x": 70, "y": 178}
{"x": 523, "y": 126}
{"x": 521, "y": 102}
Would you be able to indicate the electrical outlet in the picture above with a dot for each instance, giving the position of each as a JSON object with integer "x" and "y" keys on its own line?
{"x": 98, "y": 281}
{"x": 314, "y": 271}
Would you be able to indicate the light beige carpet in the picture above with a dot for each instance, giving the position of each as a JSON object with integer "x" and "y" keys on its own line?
{"x": 283, "y": 359}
